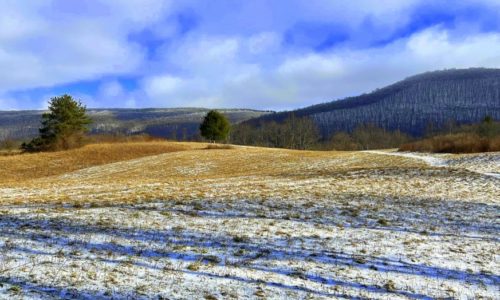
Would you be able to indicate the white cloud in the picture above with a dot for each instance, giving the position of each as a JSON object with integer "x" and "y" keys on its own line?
{"x": 45, "y": 43}
{"x": 200, "y": 53}
{"x": 434, "y": 47}
{"x": 111, "y": 89}
{"x": 231, "y": 59}
{"x": 112, "y": 94}
{"x": 162, "y": 86}
{"x": 312, "y": 64}
{"x": 300, "y": 80}
{"x": 263, "y": 42}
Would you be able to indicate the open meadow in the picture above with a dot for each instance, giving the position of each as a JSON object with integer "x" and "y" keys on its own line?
{"x": 168, "y": 220}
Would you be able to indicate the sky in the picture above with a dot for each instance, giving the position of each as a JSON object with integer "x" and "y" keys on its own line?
{"x": 259, "y": 54}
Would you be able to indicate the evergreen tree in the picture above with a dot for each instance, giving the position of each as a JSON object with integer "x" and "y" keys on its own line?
{"x": 63, "y": 126}
{"x": 215, "y": 126}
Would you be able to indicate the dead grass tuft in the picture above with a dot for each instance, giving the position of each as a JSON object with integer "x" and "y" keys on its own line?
{"x": 218, "y": 147}
{"x": 120, "y": 138}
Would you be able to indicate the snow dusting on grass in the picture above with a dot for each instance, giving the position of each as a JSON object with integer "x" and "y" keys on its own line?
{"x": 250, "y": 223}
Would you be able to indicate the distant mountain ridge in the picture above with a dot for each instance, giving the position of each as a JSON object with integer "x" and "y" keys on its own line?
{"x": 174, "y": 123}
{"x": 410, "y": 105}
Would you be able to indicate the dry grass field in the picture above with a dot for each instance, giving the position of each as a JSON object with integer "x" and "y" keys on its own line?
{"x": 19, "y": 168}
{"x": 180, "y": 221}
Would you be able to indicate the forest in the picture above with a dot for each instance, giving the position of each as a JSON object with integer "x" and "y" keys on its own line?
{"x": 412, "y": 105}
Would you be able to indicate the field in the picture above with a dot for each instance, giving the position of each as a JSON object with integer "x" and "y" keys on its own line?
{"x": 179, "y": 221}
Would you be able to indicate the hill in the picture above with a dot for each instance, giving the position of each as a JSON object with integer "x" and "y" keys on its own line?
{"x": 428, "y": 100}
{"x": 181, "y": 123}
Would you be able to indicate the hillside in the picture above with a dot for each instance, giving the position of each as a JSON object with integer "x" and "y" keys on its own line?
{"x": 178, "y": 123}
{"x": 19, "y": 168}
{"x": 248, "y": 223}
{"x": 411, "y": 105}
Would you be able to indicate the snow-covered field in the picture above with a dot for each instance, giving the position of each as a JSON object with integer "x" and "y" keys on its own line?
{"x": 251, "y": 223}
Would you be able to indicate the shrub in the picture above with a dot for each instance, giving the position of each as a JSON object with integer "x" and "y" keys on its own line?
{"x": 343, "y": 141}
{"x": 454, "y": 143}
{"x": 495, "y": 144}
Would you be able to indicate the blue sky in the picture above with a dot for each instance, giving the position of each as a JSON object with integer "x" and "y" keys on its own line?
{"x": 274, "y": 54}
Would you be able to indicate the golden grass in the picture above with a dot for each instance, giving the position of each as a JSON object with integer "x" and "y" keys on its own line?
{"x": 10, "y": 152}
{"x": 136, "y": 172}
{"x": 218, "y": 146}
{"x": 21, "y": 167}
{"x": 118, "y": 138}
{"x": 139, "y": 173}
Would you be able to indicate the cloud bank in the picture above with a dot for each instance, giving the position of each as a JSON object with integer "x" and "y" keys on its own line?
{"x": 254, "y": 54}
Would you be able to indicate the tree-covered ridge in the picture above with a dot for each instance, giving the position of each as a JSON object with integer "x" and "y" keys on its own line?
{"x": 172, "y": 123}
{"x": 413, "y": 105}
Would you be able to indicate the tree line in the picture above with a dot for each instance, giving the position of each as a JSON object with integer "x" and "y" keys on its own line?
{"x": 293, "y": 133}
{"x": 302, "y": 133}
{"x": 480, "y": 137}
{"x": 66, "y": 123}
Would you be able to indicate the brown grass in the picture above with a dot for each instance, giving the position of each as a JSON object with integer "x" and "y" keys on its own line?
{"x": 219, "y": 147}
{"x": 244, "y": 172}
{"x": 36, "y": 165}
{"x": 120, "y": 138}
{"x": 454, "y": 143}
{"x": 10, "y": 152}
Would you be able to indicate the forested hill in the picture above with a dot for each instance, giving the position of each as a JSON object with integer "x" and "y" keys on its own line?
{"x": 412, "y": 105}
{"x": 174, "y": 123}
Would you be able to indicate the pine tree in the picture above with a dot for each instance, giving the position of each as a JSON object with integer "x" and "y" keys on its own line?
{"x": 215, "y": 126}
{"x": 63, "y": 127}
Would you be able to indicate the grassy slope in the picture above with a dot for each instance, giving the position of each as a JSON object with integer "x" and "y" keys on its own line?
{"x": 152, "y": 171}
{"x": 247, "y": 222}
{"x": 31, "y": 166}
{"x": 243, "y": 172}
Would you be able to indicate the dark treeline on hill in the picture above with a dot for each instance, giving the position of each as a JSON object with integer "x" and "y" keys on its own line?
{"x": 412, "y": 106}
{"x": 303, "y": 134}
{"x": 293, "y": 133}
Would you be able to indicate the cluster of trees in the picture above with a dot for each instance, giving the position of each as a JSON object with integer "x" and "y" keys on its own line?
{"x": 292, "y": 133}
{"x": 482, "y": 137}
{"x": 303, "y": 133}
{"x": 366, "y": 137}
{"x": 66, "y": 123}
